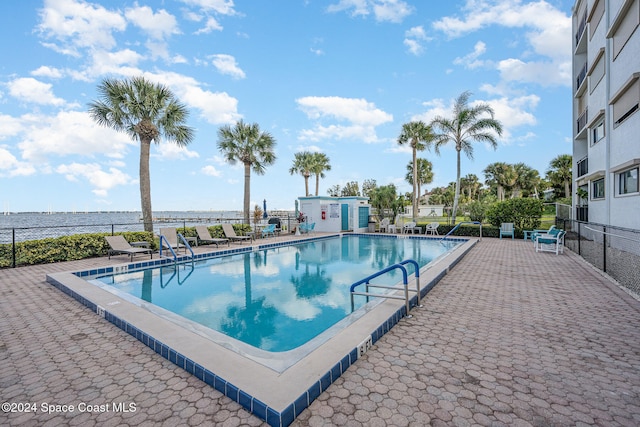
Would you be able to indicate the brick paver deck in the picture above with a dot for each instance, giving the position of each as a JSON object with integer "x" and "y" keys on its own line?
{"x": 509, "y": 337}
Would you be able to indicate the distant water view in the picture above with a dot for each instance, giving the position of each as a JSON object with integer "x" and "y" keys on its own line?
{"x": 38, "y": 225}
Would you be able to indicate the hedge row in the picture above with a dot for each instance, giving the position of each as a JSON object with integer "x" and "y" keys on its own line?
{"x": 81, "y": 246}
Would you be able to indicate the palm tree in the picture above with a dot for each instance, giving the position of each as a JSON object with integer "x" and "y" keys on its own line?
{"x": 319, "y": 164}
{"x": 425, "y": 174}
{"x": 419, "y": 136}
{"x": 527, "y": 180}
{"x": 471, "y": 183}
{"x": 559, "y": 172}
{"x": 302, "y": 164}
{"x": 245, "y": 143}
{"x": 467, "y": 125}
{"x": 500, "y": 175}
{"x": 147, "y": 112}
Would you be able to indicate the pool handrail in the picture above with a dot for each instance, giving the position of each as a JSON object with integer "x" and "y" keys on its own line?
{"x": 459, "y": 224}
{"x": 186, "y": 244}
{"x": 405, "y": 282}
{"x": 184, "y": 241}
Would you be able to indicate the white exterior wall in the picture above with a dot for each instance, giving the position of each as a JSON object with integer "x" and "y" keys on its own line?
{"x": 621, "y": 144}
{"x": 313, "y": 207}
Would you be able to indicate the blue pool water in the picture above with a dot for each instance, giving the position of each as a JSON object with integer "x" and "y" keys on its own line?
{"x": 280, "y": 298}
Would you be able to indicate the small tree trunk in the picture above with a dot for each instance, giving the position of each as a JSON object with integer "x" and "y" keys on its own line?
{"x": 247, "y": 191}
{"x": 415, "y": 183}
{"x": 145, "y": 185}
{"x": 457, "y": 191}
{"x": 317, "y": 183}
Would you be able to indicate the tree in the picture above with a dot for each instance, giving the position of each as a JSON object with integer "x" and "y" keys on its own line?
{"x": 469, "y": 124}
{"x": 319, "y": 164}
{"x": 350, "y": 189}
{"x": 302, "y": 164}
{"x": 471, "y": 184}
{"x": 245, "y": 143}
{"x": 368, "y": 185}
{"x": 147, "y": 112}
{"x": 559, "y": 172}
{"x": 527, "y": 180}
{"x": 501, "y": 176}
{"x": 334, "y": 190}
{"x": 424, "y": 175}
{"x": 419, "y": 136}
{"x": 384, "y": 198}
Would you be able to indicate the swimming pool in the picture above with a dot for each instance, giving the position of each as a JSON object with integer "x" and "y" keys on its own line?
{"x": 274, "y": 299}
{"x": 275, "y": 386}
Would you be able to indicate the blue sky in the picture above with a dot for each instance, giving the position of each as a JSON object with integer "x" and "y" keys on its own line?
{"x": 335, "y": 76}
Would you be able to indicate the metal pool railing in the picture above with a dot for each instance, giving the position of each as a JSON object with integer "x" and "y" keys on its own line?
{"x": 405, "y": 281}
{"x": 459, "y": 224}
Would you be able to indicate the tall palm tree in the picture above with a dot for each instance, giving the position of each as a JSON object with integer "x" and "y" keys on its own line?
{"x": 559, "y": 172}
{"x": 319, "y": 164}
{"x": 245, "y": 143}
{"x": 147, "y": 112}
{"x": 527, "y": 180}
{"x": 419, "y": 136}
{"x": 469, "y": 123}
{"x": 425, "y": 174}
{"x": 471, "y": 183}
{"x": 302, "y": 164}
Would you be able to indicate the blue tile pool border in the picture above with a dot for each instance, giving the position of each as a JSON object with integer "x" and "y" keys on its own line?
{"x": 251, "y": 404}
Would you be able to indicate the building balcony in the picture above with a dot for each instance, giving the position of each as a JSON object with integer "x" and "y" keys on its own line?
{"x": 583, "y": 167}
{"x": 582, "y": 120}
{"x": 582, "y": 26}
{"x": 582, "y": 75}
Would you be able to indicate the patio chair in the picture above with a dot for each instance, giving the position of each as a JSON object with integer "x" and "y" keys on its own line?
{"x": 410, "y": 227}
{"x": 432, "y": 228}
{"x": 277, "y": 223}
{"x": 506, "y": 229}
{"x": 550, "y": 243}
{"x": 205, "y": 237}
{"x": 269, "y": 230}
{"x": 171, "y": 238}
{"x": 119, "y": 245}
{"x": 552, "y": 230}
{"x": 307, "y": 227}
{"x": 230, "y": 234}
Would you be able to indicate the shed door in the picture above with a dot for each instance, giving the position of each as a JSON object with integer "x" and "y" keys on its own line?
{"x": 345, "y": 217}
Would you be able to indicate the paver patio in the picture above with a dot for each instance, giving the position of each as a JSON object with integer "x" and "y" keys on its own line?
{"x": 508, "y": 337}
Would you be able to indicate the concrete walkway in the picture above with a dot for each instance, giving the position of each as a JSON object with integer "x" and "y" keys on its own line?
{"x": 509, "y": 337}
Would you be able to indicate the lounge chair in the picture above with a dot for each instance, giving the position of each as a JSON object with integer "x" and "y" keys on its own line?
{"x": 550, "y": 242}
{"x": 432, "y": 228}
{"x": 506, "y": 229}
{"x": 119, "y": 245}
{"x": 269, "y": 230}
{"x": 384, "y": 225}
{"x": 230, "y": 234}
{"x": 307, "y": 227}
{"x": 410, "y": 227}
{"x": 205, "y": 237}
{"x": 552, "y": 230}
{"x": 277, "y": 223}
{"x": 171, "y": 238}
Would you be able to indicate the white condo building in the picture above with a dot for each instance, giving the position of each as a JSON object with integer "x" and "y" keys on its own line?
{"x": 606, "y": 120}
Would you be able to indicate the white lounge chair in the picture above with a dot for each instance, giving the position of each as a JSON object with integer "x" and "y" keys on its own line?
{"x": 410, "y": 227}
{"x": 119, "y": 245}
{"x": 550, "y": 242}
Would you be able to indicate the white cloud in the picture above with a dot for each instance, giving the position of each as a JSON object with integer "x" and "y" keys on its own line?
{"x": 212, "y": 24}
{"x": 102, "y": 181}
{"x": 547, "y": 35}
{"x": 76, "y": 24}
{"x": 413, "y": 38}
{"x": 44, "y": 71}
{"x": 226, "y": 64}
{"x": 9, "y": 126}
{"x": 69, "y": 132}
{"x": 223, "y": 7}
{"x": 159, "y": 25}
{"x": 383, "y": 10}
{"x": 28, "y": 89}
{"x": 363, "y": 117}
{"x": 471, "y": 60}
{"x": 211, "y": 171}
{"x": 171, "y": 151}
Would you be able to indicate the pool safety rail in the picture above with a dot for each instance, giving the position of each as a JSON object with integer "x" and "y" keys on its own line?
{"x": 184, "y": 241}
{"x": 458, "y": 226}
{"x": 405, "y": 282}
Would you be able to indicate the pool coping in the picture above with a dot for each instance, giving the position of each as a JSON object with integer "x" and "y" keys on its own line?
{"x": 276, "y": 397}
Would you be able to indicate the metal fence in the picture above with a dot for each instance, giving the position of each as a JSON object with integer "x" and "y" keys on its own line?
{"x": 10, "y": 237}
{"x": 614, "y": 250}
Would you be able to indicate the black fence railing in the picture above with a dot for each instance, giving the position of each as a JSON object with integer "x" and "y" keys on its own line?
{"x": 582, "y": 120}
{"x": 583, "y": 166}
{"x": 614, "y": 250}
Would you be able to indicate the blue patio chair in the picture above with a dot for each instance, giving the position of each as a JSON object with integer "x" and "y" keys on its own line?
{"x": 506, "y": 229}
{"x": 552, "y": 231}
{"x": 269, "y": 230}
{"x": 306, "y": 227}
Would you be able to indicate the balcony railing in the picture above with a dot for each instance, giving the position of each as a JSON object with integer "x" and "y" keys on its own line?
{"x": 581, "y": 26}
{"x": 582, "y": 120}
{"x": 581, "y": 76}
{"x": 583, "y": 166}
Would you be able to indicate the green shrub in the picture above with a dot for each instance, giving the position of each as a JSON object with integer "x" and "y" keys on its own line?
{"x": 524, "y": 213}
{"x": 477, "y": 211}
